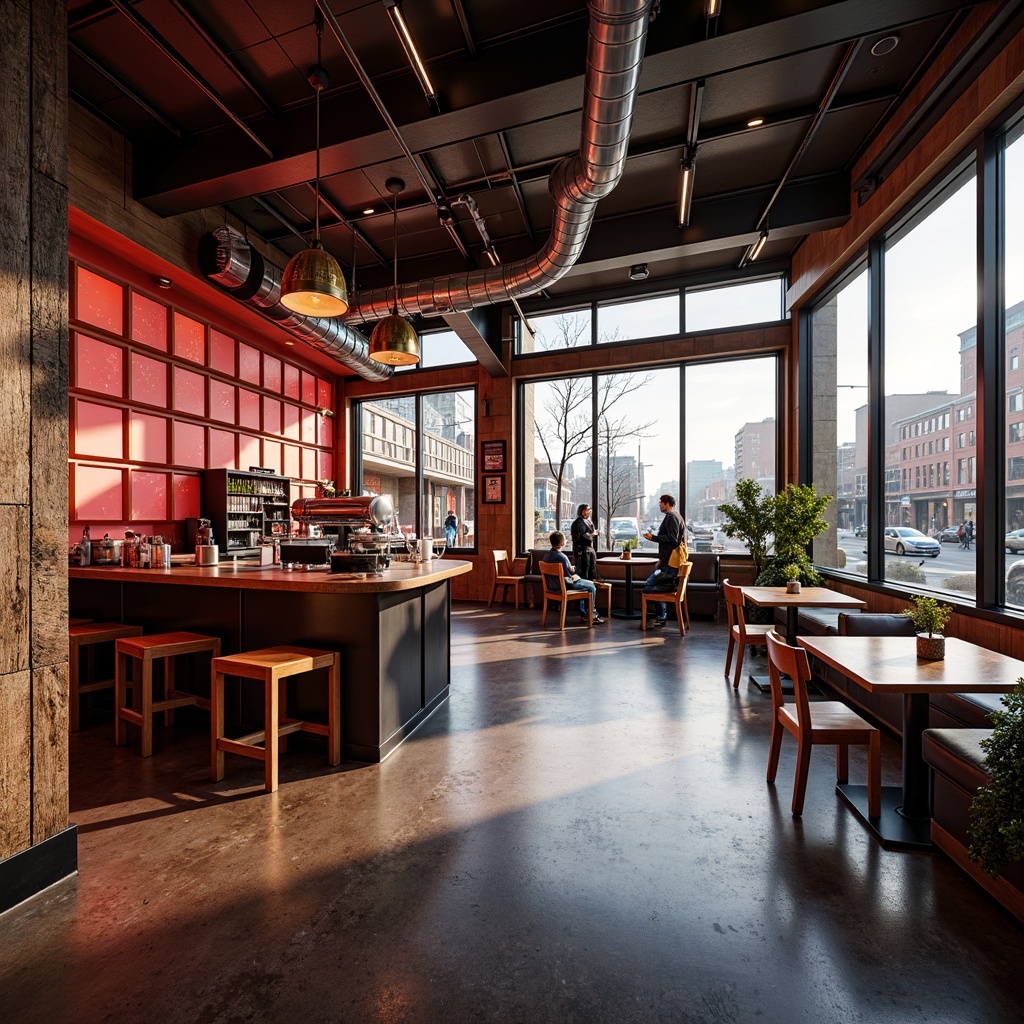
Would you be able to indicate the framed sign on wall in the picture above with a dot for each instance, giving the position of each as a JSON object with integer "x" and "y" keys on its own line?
{"x": 492, "y": 456}
{"x": 494, "y": 490}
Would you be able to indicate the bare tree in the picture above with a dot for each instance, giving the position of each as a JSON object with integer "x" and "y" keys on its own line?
{"x": 566, "y": 427}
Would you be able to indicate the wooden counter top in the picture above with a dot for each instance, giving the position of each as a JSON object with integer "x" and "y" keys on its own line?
{"x": 401, "y": 576}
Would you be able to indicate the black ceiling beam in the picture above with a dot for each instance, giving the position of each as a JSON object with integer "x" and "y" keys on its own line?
{"x": 522, "y": 81}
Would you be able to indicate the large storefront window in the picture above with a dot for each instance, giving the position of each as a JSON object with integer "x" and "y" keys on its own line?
{"x": 1013, "y": 284}
{"x": 430, "y": 437}
{"x": 931, "y": 399}
{"x": 734, "y": 305}
{"x": 731, "y": 410}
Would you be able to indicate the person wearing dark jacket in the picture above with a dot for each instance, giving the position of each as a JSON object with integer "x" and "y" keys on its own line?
{"x": 583, "y": 533}
{"x": 663, "y": 580}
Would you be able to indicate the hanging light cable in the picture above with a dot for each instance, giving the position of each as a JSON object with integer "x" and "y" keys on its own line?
{"x": 313, "y": 283}
{"x": 393, "y": 340}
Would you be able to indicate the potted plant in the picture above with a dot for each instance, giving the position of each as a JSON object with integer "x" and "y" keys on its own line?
{"x": 751, "y": 519}
{"x": 997, "y": 810}
{"x": 792, "y": 574}
{"x": 627, "y": 548}
{"x": 929, "y": 617}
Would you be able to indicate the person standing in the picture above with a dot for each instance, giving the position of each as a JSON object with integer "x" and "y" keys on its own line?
{"x": 583, "y": 533}
{"x": 969, "y": 528}
{"x": 451, "y": 526}
{"x": 669, "y": 536}
{"x": 572, "y": 580}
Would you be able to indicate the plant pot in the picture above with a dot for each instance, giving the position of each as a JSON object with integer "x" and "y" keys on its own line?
{"x": 792, "y": 586}
{"x": 931, "y": 648}
{"x": 626, "y": 554}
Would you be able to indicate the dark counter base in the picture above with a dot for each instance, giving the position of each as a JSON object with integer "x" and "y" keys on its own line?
{"x": 38, "y": 867}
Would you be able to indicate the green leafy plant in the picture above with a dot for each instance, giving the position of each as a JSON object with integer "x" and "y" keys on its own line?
{"x": 928, "y": 616}
{"x": 791, "y": 571}
{"x": 776, "y": 572}
{"x": 628, "y": 545}
{"x": 997, "y": 812}
{"x": 751, "y": 519}
{"x": 787, "y": 522}
{"x": 798, "y": 519}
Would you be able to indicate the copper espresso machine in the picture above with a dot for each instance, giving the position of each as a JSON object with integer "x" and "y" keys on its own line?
{"x": 364, "y": 526}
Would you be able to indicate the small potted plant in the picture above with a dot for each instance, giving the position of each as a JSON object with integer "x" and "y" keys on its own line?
{"x": 792, "y": 572}
{"x": 627, "y": 548}
{"x": 929, "y": 617}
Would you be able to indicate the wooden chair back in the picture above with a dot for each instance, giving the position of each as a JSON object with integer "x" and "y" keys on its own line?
{"x": 501, "y": 566}
{"x": 734, "y": 606}
{"x": 792, "y": 662}
{"x": 556, "y": 571}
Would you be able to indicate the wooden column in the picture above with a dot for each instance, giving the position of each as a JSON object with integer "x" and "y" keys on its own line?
{"x": 36, "y": 845}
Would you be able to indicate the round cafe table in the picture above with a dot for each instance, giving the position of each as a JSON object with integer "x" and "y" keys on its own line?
{"x": 646, "y": 564}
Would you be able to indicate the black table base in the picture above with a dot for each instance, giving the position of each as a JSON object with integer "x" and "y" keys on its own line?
{"x": 892, "y": 829}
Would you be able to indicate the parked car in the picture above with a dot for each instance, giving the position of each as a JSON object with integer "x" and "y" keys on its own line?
{"x": 624, "y": 528}
{"x": 1014, "y": 541}
{"x": 948, "y": 534}
{"x": 906, "y": 541}
{"x": 861, "y": 530}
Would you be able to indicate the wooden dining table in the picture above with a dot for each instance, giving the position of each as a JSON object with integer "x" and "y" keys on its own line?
{"x": 808, "y": 597}
{"x": 889, "y": 664}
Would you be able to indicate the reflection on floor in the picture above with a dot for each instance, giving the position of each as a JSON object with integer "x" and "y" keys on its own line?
{"x": 582, "y": 833}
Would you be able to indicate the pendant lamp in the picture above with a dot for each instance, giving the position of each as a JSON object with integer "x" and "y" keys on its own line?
{"x": 312, "y": 282}
{"x": 393, "y": 340}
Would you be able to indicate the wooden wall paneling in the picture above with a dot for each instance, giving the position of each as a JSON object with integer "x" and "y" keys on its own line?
{"x": 15, "y": 761}
{"x": 50, "y": 748}
{"x": 15, "y": 340}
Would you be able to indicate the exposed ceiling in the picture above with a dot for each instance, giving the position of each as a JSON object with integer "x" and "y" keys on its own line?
{"x": 215, "y": 99}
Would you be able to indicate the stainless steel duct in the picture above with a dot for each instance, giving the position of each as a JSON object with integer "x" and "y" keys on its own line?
{"x": 615, "y": 49}
{"x": 229, "y": 260}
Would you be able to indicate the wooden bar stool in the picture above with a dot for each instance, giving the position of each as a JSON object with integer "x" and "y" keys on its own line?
{"x": 85, "y": 634}
{"x": 146, "y": 650}
{"x": 273, "y": 665}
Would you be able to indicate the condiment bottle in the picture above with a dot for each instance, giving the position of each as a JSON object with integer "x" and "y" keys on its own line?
{"x": 86, "y": 547}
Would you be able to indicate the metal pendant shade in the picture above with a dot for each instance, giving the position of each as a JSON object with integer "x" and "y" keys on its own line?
{"x": 312, "y": 283}
{"x": 393, "y": 340}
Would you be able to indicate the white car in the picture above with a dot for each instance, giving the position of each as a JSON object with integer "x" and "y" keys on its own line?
{"x": 1014, "y": 541}
{"x": 906, "y": 541}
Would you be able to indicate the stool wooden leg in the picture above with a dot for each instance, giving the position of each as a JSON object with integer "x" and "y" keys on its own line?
{"x": 120, "y": 686}
{"x": 216, "y": 724}
{"x": 168, "y": 687}
{"x": 147, "y": 707}
{"x": 271, "y": 725}
{"x": 334, "y": 711}
{"x": 73, "y": 670}
{"x": 282, "y": 710}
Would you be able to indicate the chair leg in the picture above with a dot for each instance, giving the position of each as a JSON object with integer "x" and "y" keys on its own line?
{"x": 643, "y": 611}
{"x": 147, "y": 707}
{"x": 686, "y": 611}
{"x": 282, "y": 711}
{"x": 728, "y": 653}
{"x": 334, "y": 712}
{"x": 774, "y": 749}
{"x": 874, "y": 774}
{"x": 120, "y": 688}
{"x": 562, "y": 606}
{"x": 740, "y": 651}
{"x": 168, "y": 687}
{"x": 216, "y": 724}
{"x": 544, "y": 613}
{"x": 803, "y": 768}
{"x": 494, "y": 591}
{"x": 842, "y": 762}
{"x": 271, "y": 723}
{"x": 679, "y": 616}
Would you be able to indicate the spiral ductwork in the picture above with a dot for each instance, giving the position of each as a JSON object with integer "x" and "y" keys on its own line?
{"x": 229, "y": 260}
{"x": 615, "y": 49}
{"x": 616, "y": 39}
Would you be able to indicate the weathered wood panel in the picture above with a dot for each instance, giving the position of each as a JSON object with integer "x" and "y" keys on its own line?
{"x": 15, "y": 763}
{"x": 50, "y": 93}
{"x": 14, "y": 591}
{"x": 15, "y": 341}
{"x": 49, "y": 751}
{"x": 49, "y": 421}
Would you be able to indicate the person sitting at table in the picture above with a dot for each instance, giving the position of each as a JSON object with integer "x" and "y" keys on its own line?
{"x": 572, "y": 580}
{"x": 663, "y": 580}
{"x": 583, "y": 534}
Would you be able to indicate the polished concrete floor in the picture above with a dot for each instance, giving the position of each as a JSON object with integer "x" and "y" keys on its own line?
{"x": 582, "y": 833}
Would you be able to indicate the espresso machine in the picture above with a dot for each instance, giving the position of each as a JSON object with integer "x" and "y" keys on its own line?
{"x": 364, "y": 526}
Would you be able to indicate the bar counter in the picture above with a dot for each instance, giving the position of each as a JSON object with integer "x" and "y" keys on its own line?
{"x": 393, "y": 631}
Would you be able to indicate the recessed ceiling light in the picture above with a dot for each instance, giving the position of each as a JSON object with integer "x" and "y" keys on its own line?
{"x": 368, "y": 211}
{"x": 639, "y": 272}
{"x": 163, "y": 282}
{"x": 755, "y": 122}
{"x": 885, "y": 45}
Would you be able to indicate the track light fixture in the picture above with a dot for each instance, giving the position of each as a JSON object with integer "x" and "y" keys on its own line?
{"x": 312, "y": 283}
{"x": 394, "y": 9}
{"x": 393, "y": 340}
{"x": 712, "y": 8}
{"x": 639, "y": 272}
{"x": 755, "y": 249}
{"x": 687, "y": 169}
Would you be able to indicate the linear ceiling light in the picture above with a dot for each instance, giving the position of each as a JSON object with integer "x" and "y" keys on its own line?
{"x": 394, "y": 9}
{"x": 755, "y": 249}
{"x": 687, "y": 169}
{"x": 393, "y": 340}
{"x": 312, "y": 283}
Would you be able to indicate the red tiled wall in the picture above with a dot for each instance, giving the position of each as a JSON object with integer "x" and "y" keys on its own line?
{"x": 157, "y": 395}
